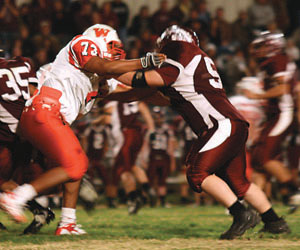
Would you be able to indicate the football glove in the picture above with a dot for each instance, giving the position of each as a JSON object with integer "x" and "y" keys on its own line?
{"x": 152, "y": 59}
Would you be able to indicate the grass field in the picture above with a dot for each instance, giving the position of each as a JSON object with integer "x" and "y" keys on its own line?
{"x": 178, "y": 227}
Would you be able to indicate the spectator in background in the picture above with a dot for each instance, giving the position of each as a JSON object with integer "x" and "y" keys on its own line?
{"x": 180, "y": 12}
{"x": 27, "y": 45}
{"x": 121, "y": 10}
{"x": 26, "y": 17}
{"x": 8, "y": 21}
{"x": 108, "y": 16}
{"x": 40, "y": 10}
{"x": 45, "y": 39}
{"x": 196, "y": 25}
{"x": 140, "y": 22}
{"x": 61, "y": 22}
{"x": 292, "y": 50}
{"x": 83, "y": 18}
{"x": 220, "y": 30}
{"x": 241, "y": 30}
{"x": 147, "y": 42}
{"x": 261, "y": 13}
{"x": 203, "y": 15}
{"x": 40, "y": 58}
{"x": 161, "y": 18}
{"x": 281, "y": 14}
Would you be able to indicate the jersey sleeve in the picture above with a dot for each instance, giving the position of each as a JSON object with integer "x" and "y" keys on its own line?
{"x": 32, "y": 78}
{"x": 168, "y": 73}
{"x": 81, "y": 50}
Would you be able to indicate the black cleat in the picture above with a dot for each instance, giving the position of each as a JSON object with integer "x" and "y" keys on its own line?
{"x": 41, "y": 218}
{"x": 242, "y": 222}
{"x": 276, "y": 227}
{"x": 2, "y": 227}
{"x": 134, "y": 206}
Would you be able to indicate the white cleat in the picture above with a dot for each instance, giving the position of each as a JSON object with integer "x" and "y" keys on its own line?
{"x": 10, "y": 204}
{"x": 69, "y": 229}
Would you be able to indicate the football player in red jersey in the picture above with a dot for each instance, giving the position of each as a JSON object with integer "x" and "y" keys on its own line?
{"x": 68, "y": 91}
{"x": 278, "y": 72}
{"x": 216, "y": 163}
{"x": 17, "y": 83}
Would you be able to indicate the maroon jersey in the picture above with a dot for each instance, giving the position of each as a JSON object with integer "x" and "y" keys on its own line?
{"x": 159, "y": 144}
{"x": 96, "y": 136}
{"x": 195, "y": 89}
{"x": 276, "y": 66}
{"x": 15, "y": 75}
{"x": 128, "y": 115}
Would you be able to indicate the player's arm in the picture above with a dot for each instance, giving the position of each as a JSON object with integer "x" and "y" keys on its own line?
{"x": 145, "y": 112}
{"x": 279, "y": 89}
{"x": 142, "y": 79}
{"x": 106, "y": 67}
{"x": 171, "y": 149}
{"x": 297, "y": 91}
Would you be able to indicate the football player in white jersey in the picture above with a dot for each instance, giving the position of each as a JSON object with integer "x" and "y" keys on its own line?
{"x": 216, "y": 162}
{"x": 69, "y": 90}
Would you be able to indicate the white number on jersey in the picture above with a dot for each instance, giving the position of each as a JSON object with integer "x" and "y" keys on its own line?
{"x": 86, "y": 46}
{"x": 216, "y": 83}
{"x": 14, "y": 82}
{"x": 98, "y": 141}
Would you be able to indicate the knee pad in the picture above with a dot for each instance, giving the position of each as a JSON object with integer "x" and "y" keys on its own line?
{"x": 78, "y": 169}
{"x": 195, "y": 178}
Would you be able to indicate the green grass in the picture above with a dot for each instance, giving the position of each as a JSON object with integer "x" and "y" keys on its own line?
{"x": 178, "y": 227}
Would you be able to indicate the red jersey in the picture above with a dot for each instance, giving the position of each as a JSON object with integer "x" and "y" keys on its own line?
{"x": 15, "y": 75}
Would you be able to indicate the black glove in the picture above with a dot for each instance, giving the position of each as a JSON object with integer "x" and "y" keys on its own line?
{"x": 151, "y": 60}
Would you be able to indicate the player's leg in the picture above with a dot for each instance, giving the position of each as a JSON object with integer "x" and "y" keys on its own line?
{"x": 234, "y": 174}
{"x": 41, "y": 124}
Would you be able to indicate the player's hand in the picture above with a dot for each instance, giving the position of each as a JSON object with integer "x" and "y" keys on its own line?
{"x": 153, "y": 59}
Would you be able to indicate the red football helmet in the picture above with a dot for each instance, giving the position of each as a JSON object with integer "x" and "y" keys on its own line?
{"x": 267, "y": 44}
{"x": 177, "y": 33}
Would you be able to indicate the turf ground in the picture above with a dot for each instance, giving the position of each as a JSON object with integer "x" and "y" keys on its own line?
{"x": 178, "y": 227}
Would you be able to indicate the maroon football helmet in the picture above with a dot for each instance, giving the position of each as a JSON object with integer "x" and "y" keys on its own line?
{"x": 177, "y": 33}
{"x": 267, "y": 44}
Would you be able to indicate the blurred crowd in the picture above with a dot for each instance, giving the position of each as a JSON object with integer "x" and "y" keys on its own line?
{"x": 40, "y": 28}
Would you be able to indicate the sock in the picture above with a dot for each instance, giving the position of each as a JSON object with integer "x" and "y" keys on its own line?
{"x": 25, "y": 193}
{"x": 132, "y": 195}
{"x": 162, "y": 200}
{"x": 236, "y": 208}
{"x": 68, "y": 215}
{"x": 146, "y": 187}
{"x": 269, "y": 216}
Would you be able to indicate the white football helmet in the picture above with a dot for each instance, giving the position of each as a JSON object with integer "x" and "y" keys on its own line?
{"x": 108, "y": 41}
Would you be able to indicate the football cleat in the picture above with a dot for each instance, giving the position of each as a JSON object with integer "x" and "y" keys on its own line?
{"x": 41, "y": 218}
{"x": 294, "y": 199}
{"x": 276, "y": 227}
{"x": 2, "y": 227}
{"x": 242, "y": 222}
{"x": 9, "y": 203}
{"x": 134, "y": 206}
{"x": 69, "y": 229}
